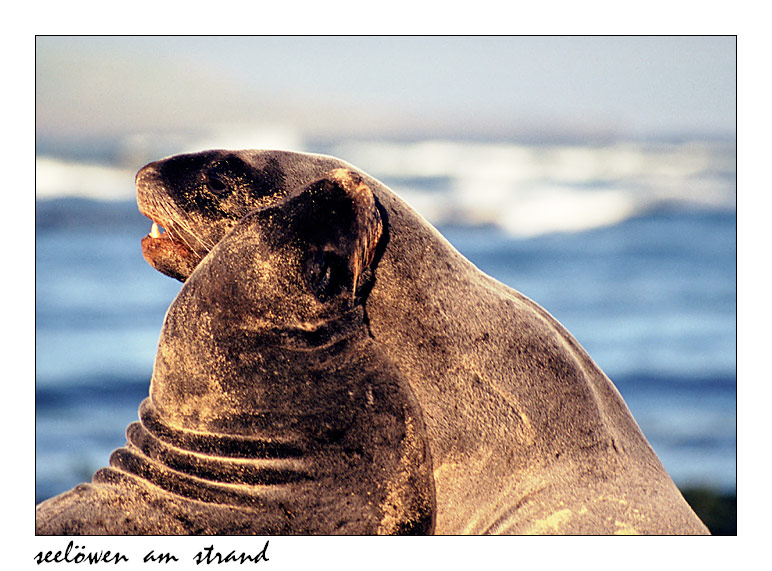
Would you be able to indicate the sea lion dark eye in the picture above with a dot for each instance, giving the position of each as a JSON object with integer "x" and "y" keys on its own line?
{"x": 326, "y": 272}
{"x": 215, "y": 184}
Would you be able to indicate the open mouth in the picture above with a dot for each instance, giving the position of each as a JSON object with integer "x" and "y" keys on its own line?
{"x": 158, "y": 232}
{"x": 167, "y": 253}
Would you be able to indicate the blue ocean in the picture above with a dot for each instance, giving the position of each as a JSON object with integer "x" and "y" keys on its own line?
{"x": 631, "y": 245}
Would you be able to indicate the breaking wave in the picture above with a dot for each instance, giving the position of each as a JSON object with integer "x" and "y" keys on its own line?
{"x": 538, "y": 189}
{"x": 526, "y": 190}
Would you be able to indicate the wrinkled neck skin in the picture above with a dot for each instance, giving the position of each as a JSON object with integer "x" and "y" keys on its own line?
{"x": 313, "y": 430}
{"x": 243, "y": 380}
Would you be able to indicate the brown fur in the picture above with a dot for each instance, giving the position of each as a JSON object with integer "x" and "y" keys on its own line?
{"x": 526, "y": 434}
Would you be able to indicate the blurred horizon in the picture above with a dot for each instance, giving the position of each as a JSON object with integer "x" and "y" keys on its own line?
{"x": 126, "y": 93}
{"x": 604, "y": 127}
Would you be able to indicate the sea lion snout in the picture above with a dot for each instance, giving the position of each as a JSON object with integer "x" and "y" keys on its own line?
{"x": 194, "y": 200}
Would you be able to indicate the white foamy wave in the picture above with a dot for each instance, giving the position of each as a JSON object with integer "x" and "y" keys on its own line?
{"x": 532, "y": 190}
{"x": 549, "y": 209}
{"x": 55, "y": 177}
{"x": 526, "y": 190}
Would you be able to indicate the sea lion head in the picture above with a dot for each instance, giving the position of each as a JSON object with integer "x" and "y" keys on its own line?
{"x": 197, "y": 198}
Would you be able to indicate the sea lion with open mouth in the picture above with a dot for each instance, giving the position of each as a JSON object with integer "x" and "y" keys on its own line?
{"x": 525, "y": 433}
{"x": 271, "y": 409}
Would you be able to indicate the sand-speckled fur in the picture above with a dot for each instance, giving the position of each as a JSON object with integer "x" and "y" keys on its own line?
{"x": 526, "y": 434}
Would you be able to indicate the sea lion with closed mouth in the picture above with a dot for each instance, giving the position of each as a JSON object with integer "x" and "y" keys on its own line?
{"x": 271, "y": 410}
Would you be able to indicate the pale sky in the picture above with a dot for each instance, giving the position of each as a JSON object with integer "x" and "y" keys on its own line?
{"x": 475, "y": 86}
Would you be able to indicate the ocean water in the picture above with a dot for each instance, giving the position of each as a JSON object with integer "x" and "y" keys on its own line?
{"x": 631, "y": 246}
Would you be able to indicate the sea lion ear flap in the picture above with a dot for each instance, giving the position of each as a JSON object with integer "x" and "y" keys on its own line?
{"x": 342, "y": 224}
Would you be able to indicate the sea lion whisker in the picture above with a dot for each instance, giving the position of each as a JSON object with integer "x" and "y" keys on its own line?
{"x": 178, "y": 230}
{"x": 206, "y": 244}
